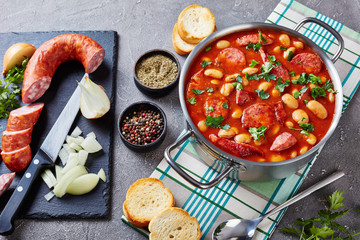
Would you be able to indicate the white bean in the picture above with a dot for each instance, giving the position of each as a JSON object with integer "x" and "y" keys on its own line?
{"x": 317, "y": 109}
{"x": 213, "y": 73}
{"x": 290, "y": 101}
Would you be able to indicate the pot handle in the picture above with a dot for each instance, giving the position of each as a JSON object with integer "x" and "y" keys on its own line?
{"x": 327, "y": 27}
{"x": 186, "y": 176}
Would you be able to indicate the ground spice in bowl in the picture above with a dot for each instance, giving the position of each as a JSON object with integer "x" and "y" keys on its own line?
{"x": 156, "y": 71}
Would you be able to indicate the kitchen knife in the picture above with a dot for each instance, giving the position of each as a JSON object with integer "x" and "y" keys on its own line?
{"x": 45, "y": 157}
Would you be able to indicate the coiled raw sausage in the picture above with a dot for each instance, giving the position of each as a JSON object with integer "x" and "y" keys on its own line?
{"x": 48, "y": 57}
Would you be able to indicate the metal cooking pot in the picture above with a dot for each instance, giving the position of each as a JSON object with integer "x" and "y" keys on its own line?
{"x": 236, "y": 167}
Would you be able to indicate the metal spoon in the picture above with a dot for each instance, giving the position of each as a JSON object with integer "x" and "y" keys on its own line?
{"x": 243, "y": 229}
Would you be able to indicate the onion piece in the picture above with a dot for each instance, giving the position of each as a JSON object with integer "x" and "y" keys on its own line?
{"x": 83, "y": 184}
{"x": 58, "y": 172}
{"x": 82, "y": 155}
{"x": 102, "y": 175}
{"x": 49, "y": 195}
{"x": 68, "y": 148}
{"x": 75, "y": 146}
{"x": 76, "y": 132}
{"x": 91, "y": 145}
{"x": 72, "y": 162}
{"x": 15, "y": 54}
{"x": 94, "y": 103}
{"x": 69, "y": 177}
{"x": 91, "y": 134}
{"x": 77, "y": 140}
{"x": 63, "y": 155}
{"x": 47, "y": 180}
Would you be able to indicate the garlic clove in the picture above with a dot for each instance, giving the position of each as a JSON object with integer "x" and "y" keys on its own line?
{"x": 94, "y": 103}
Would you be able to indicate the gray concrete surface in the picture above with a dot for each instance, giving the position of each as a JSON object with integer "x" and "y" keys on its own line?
{"x": 148, "y": 24}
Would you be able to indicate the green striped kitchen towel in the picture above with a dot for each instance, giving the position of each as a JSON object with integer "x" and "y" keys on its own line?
{"x": 237, "y": 199}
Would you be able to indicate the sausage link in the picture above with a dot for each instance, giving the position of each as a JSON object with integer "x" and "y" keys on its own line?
{"x": 24, "y": 117}
{"x": 5, "y": 181}
{"x": 283, "y": 141}
{"x": 17, "y": 160}
{"x": 310, "y": 62}
{"x": 257, "y": 115}
{"x": 15, "y": 140}
{"x": 48, "y": 57}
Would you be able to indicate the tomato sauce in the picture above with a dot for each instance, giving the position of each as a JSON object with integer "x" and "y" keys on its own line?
{"x": 209, "y": 95}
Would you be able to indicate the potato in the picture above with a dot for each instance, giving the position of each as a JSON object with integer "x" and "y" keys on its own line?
{"x": 16, "y": 54}
{"x": 83, "y": 184}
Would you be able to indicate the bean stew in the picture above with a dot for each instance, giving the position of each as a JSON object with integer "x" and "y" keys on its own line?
{"x": 260, "y": 95}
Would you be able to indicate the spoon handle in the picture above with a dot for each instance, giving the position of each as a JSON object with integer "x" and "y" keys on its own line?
{"x": 308, "y": 191}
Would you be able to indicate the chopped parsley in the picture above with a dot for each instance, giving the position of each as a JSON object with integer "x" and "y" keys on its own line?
{"x": 211, "y": 109}
{"x": 215, "y": 122}
{"x": 204, "y": 64}
{"x": 255, "y": 47}
{"x": 197, "y": 91}
{"x": 290, "y": 56}
{"x": 272, "y": 58}
{"x": 192, "y": 100}
{"x": 314, "y": 79}
{"x": 280, "y": 86}
{"x": 253, "y": 63}
{"x": 318, "y": 92}
{"x": 306, "y": 101}
{"x": 305, "y": 129}
{"x": 208, "y": 49}
{"x": 252, "y": 77}
{"x": 302, "y": 90}
{"x": 9, "y": 89}
{"x": 209, "y": 89}
{"x": 225, "y": 105}
{"x": 256, "y": 133}
{"x": 262, "y": 39}
{"x": 262, "y": 94}
{"x": 238, "y": 82}
{"x": 293, "y": 74}
{"x": 328, "y": 86}
{"x": 283, "y": 48}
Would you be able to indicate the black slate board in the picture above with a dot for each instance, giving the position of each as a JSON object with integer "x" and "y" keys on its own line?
{"x": 95, "y": 204}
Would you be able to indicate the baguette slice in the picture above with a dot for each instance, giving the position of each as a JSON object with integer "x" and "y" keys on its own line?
{"x": 195, "y": 23}
{"x": 174, "y": 223}
{"x": 180, "y": 46}
{"x": 144, "y": 199}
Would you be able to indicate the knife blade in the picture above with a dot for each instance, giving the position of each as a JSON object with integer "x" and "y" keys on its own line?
{"x": 45, "y": 157}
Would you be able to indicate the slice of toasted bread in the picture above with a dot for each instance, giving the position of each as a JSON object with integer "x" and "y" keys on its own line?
{"x": 195, "y": 23}
{"x": 180, "y": 46}
{"x": 174, "y": 223}
{"x": 144, "y": 199}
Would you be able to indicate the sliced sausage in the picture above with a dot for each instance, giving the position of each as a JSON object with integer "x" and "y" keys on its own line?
{"x": 240, "y": 149}
{"x": 48, "y": 57}
{"x": 215, "y": 103}
{"x": 243, "y": 96}
{"x": 195, "y": 83}
{"x": 278, "y": 71}
{"x": 283, "y": 141}
{"x": 280, "y": 112}
{"x": 5, "y": 181}
{"x": 24, "y": 117}
{"x": 257, "y": 115}
{"x": 310, "y": 62}
{"x": 17, "y": 160}
{"x": 15, "y": 140}
{"x": 253, "y": 38}
{"x": 231, "y": 59}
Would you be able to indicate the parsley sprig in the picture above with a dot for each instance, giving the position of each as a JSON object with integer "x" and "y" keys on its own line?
{"x": 324, "y": 225}
{"x": 215, "y": 122}
{"x": 9, "y": 89}
{"x": 256, "y": 133}
{"x": 306, "y": 128}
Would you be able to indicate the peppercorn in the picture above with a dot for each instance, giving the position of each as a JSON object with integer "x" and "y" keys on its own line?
{"x": 140, "y": 128}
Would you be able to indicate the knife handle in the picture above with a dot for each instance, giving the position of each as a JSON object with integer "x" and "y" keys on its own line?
{"x": 23, "y": 188}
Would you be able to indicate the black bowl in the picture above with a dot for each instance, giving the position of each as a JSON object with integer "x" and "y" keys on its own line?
{"x": 156, "y": 92}
{"x": 143, "y": 105}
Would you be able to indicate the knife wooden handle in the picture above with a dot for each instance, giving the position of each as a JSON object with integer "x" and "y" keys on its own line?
{"x": 23, "y": 188}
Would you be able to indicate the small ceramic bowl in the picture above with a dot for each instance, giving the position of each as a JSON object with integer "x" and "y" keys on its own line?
{"x": 135, "y": 107}
{"x": 162, "y": 91}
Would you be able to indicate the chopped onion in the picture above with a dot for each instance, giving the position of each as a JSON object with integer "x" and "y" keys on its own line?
{"x": 77, "y": 140}
{"x": 49, "y": 195}
{"x": 94, "y": 103}
{"x": 69, "y": 177}
{"x": 68, "y": 148}
{"x": 72, "y": 162}
{"x": 102, "y": 175}
{"x": 63, "y": 155}
{"x": 83, "y": 184}
{"x": 75, "y": 146}
{"x": 76, "y": 132}
{"x": 58, "y": 172}
{"x": 91, "y": 134}
{"x": 82, "y": 155}
{"x": 91, "y": 145}
{"x": 47, "y": 180}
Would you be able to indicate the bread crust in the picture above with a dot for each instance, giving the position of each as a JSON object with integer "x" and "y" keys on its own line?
{"x": 183, "y": 47}
{"x": 134, "y": 217}
{"x": 188, "y": 36}
{"x": 174, "y": 211}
